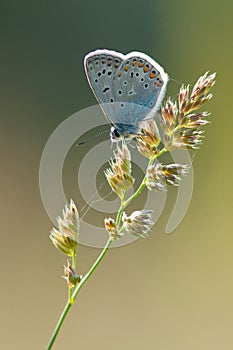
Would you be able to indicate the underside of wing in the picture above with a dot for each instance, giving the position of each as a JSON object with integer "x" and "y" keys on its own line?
{"x": 127, "y": 87}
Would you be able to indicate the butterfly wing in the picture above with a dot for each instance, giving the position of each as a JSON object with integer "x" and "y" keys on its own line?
{"x": 128, "y": 88}
{"x": 100, "y": 68}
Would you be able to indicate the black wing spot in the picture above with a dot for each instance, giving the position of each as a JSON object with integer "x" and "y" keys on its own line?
{"x": 109, "y": 72}
{"x": 104, "y": 71}
{"x": 111, "y": 100}
{"x": 99, "y": 74}
{"x": 142, "y": 79}
{"x": 119, "y": 92}
{"x": 146, "y": 86}
{"x": 125, "y": 82}
{"x": 106, "y": 89}
{"x": 122, "y": 105}
{"x": 96, "y": 81}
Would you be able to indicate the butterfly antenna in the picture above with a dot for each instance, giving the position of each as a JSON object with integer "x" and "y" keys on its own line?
{"x": 177, "y": 81}
{"x": 91, "y": 138}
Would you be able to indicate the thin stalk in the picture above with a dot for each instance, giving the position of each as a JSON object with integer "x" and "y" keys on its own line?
{"x": 71, "y": 288}
{"x": 92, "y": 269}
{"x": 75, "y": 293}
{"x": 120, "y": 212}
{"x": 59, "y": 324}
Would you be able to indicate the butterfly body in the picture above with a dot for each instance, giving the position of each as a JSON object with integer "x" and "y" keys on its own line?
{"x": 129, "y": 88}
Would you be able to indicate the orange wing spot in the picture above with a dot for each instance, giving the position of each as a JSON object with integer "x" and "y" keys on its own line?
{"x": 109, "y": 63}
{"x": 116, "y": 65}
{"x": 152, "y": 75}
{"x": 158, "y": 83}
{"x": 126, "y": 68}
{"x": 140, "y": 64}
{"x": 119, "y": 74}
{"x": 134, "y": 63}
{"x": 146, "y": 69}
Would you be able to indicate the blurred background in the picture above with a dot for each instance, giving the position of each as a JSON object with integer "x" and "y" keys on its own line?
{"x": 168, "y": 292}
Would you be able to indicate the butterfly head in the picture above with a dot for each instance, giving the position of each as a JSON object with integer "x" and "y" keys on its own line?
{"x": 115, "y": 136}
{"x": 121, "y": 131}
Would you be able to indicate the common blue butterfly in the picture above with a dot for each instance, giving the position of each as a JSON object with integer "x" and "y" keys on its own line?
{"x": 129, "y": 88}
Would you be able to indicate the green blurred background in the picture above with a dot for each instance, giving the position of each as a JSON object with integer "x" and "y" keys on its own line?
{"x": 169, "y": 292}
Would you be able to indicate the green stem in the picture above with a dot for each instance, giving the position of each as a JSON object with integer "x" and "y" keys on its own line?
{"x": 139, "y": 190}
{"x": 59, "y": 324}
{"x": 175, "y": 129}
{"x": 120, "y": 212}
{"x": 75, "y": 293}
{"x": 71, "y": 288}
{"x": 74, "y": 261}
{"x": 92, "y": 269}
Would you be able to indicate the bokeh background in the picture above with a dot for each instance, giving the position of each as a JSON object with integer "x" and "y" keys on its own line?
{"x": 168, "y": 292}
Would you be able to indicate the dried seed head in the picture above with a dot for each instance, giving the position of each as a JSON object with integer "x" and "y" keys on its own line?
{"x": 119, "y": 174}
{"x": 202, "y": 86}
{"x": 188, "y": 138}
{"x": 183, "y": 98}
{"x": 70, "y": 276}
{"x": 62, "y": 242}
{"x": 195, "y": 120}
{"x": 138, "y": 223}
{"x": 181, "y": 127}
{"x": 200, "y": 93}
{"x": 159, "y": 176}
{"x": 124, "y": 158}
{"x": 110, "y": 226}
{"x": 65, "y": 238}
{"x": 169, "y": 116}
{"x": 148, "y": 142}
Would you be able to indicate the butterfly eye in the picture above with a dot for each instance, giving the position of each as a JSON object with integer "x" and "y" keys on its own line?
{"x": 115, "y": 134}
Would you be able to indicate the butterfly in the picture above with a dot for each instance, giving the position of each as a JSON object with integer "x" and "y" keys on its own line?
{"x": 129, "y": 89}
